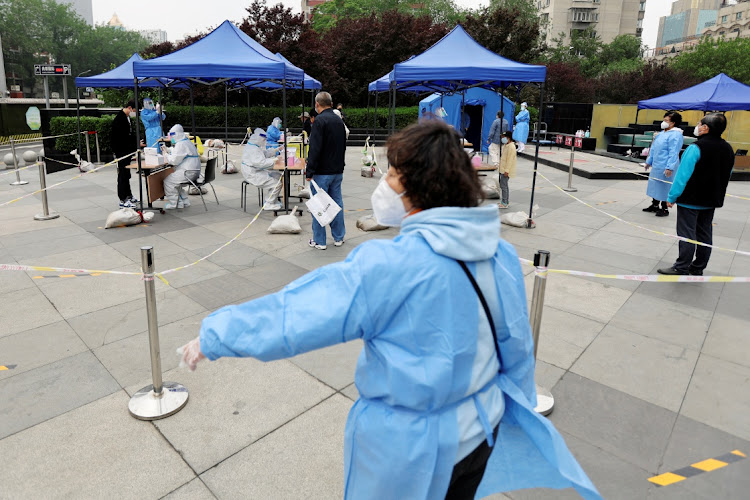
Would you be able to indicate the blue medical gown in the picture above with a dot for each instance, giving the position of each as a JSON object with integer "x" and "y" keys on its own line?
{"x": 664, "y": 154}
{"x": 150, "y": 119}
{"x": 273, "y": 134}
{"x": 415, "y": 309}
{"x": 521, "y": 130}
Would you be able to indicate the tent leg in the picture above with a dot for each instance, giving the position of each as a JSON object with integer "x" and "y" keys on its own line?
{"x": 367, "y": 120}
{"x": 529, "y": 221}
{"x": 192, "y": 108}
{"x": 247, "y": 91}
{"x": 632, "y": 142}
{"x": 376, "y": 122}
{"x": 226, "y": 113}
{"x": 285, "y": 131}
{"x": 78, "y": 120}
{"x": 161, "y": 124}
{"x": 138, "y": 141}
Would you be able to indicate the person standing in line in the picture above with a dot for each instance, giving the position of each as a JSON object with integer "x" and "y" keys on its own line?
{"x": 340, "y": 109}
{"x": 152, "y": 123}
{"x": 123, "y": 143}
{"x": 325, "y": 166}
{"x": 497, "y": 129}
{"x": 507, "y": 168}
{"x": 663, "y": 158}
{"x": 698, "y": 189}
{"x": 521, "y": 131}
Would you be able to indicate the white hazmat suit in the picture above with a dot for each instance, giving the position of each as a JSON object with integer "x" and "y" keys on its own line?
{"x": 183, "y": 156}
{"x": 257, "y": 165}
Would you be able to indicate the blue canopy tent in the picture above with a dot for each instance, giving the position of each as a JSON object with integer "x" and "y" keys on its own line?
{"x": 383, "y": 84}
{"x": 490, "y": 103}
{"x": 457, "y": 63}
{"x": 225, "y": 56}
{"x": 720, "y": 93}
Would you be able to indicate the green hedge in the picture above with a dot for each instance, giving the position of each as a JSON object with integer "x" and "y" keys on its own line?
{"x": 68, "y": 125}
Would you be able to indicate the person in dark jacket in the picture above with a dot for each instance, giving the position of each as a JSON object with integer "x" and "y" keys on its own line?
{"x": 123, "y": 142}
{"x": 325, "y": 166}
{"x": 698, "y": 189}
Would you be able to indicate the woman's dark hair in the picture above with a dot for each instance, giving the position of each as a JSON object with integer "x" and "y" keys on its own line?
{"x": 508, "y": 134}
{"x": 674, "y": 117}
{"x": 434, "y": 168}
{"x": 716, "y": 122}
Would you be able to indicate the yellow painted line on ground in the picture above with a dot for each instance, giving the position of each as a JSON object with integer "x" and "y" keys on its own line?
{"x": 67, "y": 276}
{"x": 6, "y": 367}
{"x": 708, "y": 465}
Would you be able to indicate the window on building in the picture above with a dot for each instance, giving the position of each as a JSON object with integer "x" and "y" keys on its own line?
{"x": 640, "y": 23}
{"x": 643, "y": 6}
{"x": 724, "y": 19}
{"x": 545, "y": 18}
{"x": 739, "y": 16}
{"x": 722, "y": 33}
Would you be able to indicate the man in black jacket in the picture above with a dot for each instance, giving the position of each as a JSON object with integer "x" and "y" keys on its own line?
{"x": 325, "y": 165}
{"x": 698, "y": 189}
{"x": 123, "y": 142}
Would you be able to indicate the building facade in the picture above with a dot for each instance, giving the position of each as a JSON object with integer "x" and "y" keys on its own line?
{"x": 154, "y": 36}
{"x": 82, "y": 7}
{"x": 732, "y": 21}
{"x": 608, "y": 18}
{"x": 307, "y": 7}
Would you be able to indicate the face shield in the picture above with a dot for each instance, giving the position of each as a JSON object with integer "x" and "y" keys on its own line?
{"x": 176, "y": 134}
{"x": 148, "y": 104}
{"x": 258, "y": 138}
{"x": 276, "y": 122}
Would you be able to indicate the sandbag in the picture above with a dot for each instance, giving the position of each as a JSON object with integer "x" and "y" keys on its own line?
{"x": 127, "y": 217}
{"x": 490, "y": 188}
{"x": 229, "y": 168}
{"x": 369, "y": 223}
{"x": 194, "y": 190}
{"x": 518, "y": 219}
{"x": 285, "y": 224}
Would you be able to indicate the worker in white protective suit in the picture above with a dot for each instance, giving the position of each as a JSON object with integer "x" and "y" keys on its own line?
{"x": 183, "y": 156}
{"x": 257, "y": 168}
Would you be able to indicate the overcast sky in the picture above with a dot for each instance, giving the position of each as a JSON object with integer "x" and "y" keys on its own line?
{"x": 188, "y": 17}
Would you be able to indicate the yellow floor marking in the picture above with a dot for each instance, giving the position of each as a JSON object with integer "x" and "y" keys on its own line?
{"x": 3, "y": 368}
{"x": 710, "y": 464}
{"x": 739, "y": 453}
{"x": 37, "y": 277}
{"x": 67, "y": 276}
{"x": 666, "y": 479}
{"x": 96, "y": 274}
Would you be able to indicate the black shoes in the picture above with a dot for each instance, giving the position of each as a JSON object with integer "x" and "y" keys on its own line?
{"x": 671, "y": 271}
{"x": 662, "y": 212}
{"x": 651, "y": 208}
{"x": 695, "y": 272}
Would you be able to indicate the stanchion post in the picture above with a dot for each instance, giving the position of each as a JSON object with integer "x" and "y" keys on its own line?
{"x": 18, "y": 182}
{"x": 98, "y": 151}
{"x": 45, "y": 215}
{"x": 160, "y": 399}
{"x": 88, "y": 149}
{"x": 570, "y": 187}
{"x": 545, "y": 401}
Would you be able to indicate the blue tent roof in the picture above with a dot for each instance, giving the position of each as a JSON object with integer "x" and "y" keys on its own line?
{"x": 720, "y": 93}
{"x": 225, "y": 54}
{"x": 120, "y": 77}
{"x": 382, "y": 84}
{"x": 458, "y": 61}
{"x": 310, "y": 82}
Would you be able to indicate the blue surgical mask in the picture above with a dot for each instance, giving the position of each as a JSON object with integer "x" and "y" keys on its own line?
{"x": 504, "y": 140}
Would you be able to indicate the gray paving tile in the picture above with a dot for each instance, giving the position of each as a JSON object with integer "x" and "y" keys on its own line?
{"x": 194, "y": 490}
{"x": 194, "y": 238}
{"x": 566, "y": 216}
{"x": 643, "y": 367}
{"x": 273, "y": 275}
{"x": 233, "y": 403}
{"x": 51, "y": 390}
{"x": 25, "y": 309}
{"x": 564, "y": 336}
{"x": 533, "y": 239}
{"x": 664, "y": 320}
{"x": 128, "y": 359}
{"x": 632, "y": 245}
{"x": 632, "y": 262}
{"x": 734, "y": 300}
{"x": 34, "y": 348}
{"x": 13, "y": 227}
{"x": 220, "y": 291}
{"x": 95, "y": 451}
{"x": 131, "y": 247}
{"x": 41, "y": 234}
{"x": 333, "y": 365}
{"x": 351, "y": 392}
{"x": 719, "y": 396}
{"x": 696, "y": 295}
{"x": 727, "y": 340}
{"x": 95, "y": 257}
{"x": 37, "y": 251}
{"x": 312, "y": 444}
{"x": 13, "y": 280}
{"x": 234, "y": 258}
{"x": 622, "y": 425}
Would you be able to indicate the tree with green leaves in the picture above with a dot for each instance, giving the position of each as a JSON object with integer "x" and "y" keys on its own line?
{"x": 713, "y": 56}
{"x": 506, "y": 30}
{"x": 326, "y": 15}
{"x": 42, "y": 31}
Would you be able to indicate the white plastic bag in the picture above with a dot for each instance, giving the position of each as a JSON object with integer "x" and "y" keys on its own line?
{"x": 519, "y": 219}
{"x": 302, "y": 191}
{"x": 127, "y": 217}
{"x": 83, "y": 165}
{"x": 369, "y": 223}
{"x": 229, "y": 168}
{"x": 285, "y": 224}
{"x": 322, "y": 206}
{"x": 490, "y": 188}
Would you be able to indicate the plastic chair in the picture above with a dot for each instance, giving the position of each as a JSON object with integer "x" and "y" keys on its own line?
{"x": 243, "y": 195}
{"x": 208, "y": 176}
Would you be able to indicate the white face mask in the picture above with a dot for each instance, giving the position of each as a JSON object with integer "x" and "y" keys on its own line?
{"x": 697, "y": 130}
{"x": 664, "y": 125}
{"x": 387, "y": 205}
{"x": 132, "y": 114}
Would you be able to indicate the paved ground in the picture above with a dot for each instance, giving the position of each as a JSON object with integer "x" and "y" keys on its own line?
{"x": 648, "y": 378}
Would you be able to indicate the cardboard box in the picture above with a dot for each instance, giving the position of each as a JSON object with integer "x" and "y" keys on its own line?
{"x": 742, "y": 162}
{"x": 154, "y": 160}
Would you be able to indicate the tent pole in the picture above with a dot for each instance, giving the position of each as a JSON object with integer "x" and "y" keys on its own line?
{"x": 463, "y": 111}
{"x": 367, "y": 120}
{"x": 632, "y": 142}
{"x": 192, "y": 108}
{"x": 376, "y": 122}
{"x": 138, "y": 142}
{"x": 161, "y": 124}
{"x": 78, "y": 119}
{"x": 248, "y": 106}
{"x": 284, "y": 123}
{"x": 226, "y": 113}
{"x": 529, "y": 221}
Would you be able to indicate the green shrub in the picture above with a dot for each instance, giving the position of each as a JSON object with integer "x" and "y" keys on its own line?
{"x": 67, "y": 125}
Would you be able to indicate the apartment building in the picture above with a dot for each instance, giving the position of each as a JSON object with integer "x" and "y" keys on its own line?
{"x": 608, "y": 18}
{"x": 732, "y": 21}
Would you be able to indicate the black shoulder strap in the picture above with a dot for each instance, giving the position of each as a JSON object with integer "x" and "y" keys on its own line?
{"x": 485, "y": 307}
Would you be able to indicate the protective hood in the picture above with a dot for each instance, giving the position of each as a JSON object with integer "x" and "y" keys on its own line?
{"x": 258, "y": 138}
{"x": 276, "y": 122}
{"x": 468, "y": 234}
{"x": 177, "y": 132}
{"x": 148, "y": 103}
{"x": 524, "y": 105}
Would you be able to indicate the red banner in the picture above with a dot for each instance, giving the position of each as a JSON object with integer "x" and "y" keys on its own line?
{"x": 579, "y": 142}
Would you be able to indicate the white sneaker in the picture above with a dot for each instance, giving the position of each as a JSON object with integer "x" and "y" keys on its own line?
{"x": 183, "y": 203}
{"x": 170, "y": 206}
{"x": 127, "y": 204}
{"x": 272, "y": 206}
{"x": 338, "y": 243}
{"x": 315, "y": 245}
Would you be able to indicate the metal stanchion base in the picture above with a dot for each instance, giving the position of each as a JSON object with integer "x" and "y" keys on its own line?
{"x": 19, "y": 183}
{"x": 46, "y": 217}
{"x": 570, "y": 190}
{"x": 545, "y": 402}
{"x": 145, "y": 405}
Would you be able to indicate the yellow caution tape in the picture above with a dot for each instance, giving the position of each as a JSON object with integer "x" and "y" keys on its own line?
{"x": 67, "y": 270}
{"x": 674, "y": 236}
{"x": 14, "y": 170}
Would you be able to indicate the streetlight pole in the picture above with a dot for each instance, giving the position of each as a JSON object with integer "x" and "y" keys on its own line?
{"x": 78, "y": 111}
